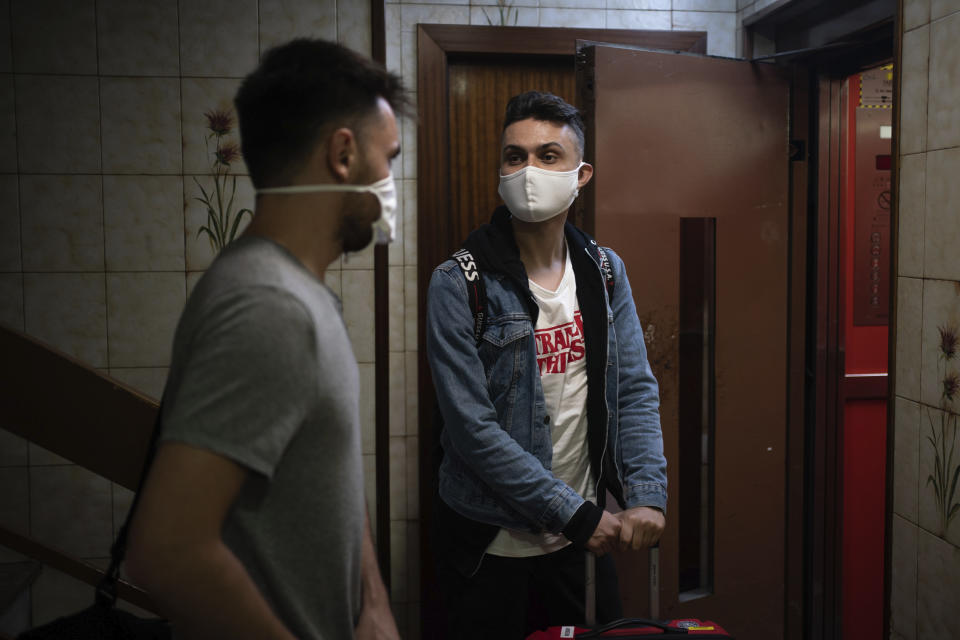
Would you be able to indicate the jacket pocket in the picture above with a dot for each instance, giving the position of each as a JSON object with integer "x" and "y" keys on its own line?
{"x": 503, "y": 351}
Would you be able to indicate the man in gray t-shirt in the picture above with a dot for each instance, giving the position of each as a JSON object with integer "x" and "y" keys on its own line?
{"x": 252, "y": 522}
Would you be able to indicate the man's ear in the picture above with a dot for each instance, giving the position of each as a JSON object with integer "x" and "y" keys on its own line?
{"x": 586, "y": 172}
{"x": 342, "y": 153}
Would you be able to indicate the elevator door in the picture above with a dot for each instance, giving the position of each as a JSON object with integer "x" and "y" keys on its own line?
{"x": 691, "y": 189}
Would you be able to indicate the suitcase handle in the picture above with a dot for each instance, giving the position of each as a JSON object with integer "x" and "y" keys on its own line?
{"x": 623, "y": 622}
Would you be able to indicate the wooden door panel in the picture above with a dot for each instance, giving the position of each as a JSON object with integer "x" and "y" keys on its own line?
{"x": 682, "y": 136}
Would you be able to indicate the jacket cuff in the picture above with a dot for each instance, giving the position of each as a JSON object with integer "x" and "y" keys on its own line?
{"x": 583, "y": 523}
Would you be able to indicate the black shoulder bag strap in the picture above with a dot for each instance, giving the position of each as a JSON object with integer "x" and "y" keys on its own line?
{"x": 107, "y": 589}
{"x": 476, "y": 291}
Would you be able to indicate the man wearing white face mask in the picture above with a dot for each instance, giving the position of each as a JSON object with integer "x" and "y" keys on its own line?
{"x": 547, "y": 398}
{"x": 252, "y": 522}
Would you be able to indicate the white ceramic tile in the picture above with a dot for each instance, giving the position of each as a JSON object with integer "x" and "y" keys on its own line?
{"x": 943, "y": 125}
{"x": 941, "y": 309}
{"x": 395, "y": 248}
{"x": 916, "y": 13}
{"x": 903, "y": 579}
{"x": 409, "y": 152}
{"x": 9, "y": 223}
{"x": 6, "y": 64}
{"x": 658, "y": 20}
{"x": 13, "y": 450}
{"x": 58, "y": 124}
{"x": 413, "y": 14}
{"x": 583, "y": 18}
{"x": 399, "y": 563}
{"x": 396, "y": 307}
{"x": 227, "y": 51}
{"x": 935, "y": 462}
{"x": 942, "y": 8}
{"x": 71, "y": 509}
{"x": 397, "y": 394}
{"x": 705, "y": 5}
{"x": 362, "y": 259}
{"x": 410, "y": 308}
{"x": 61, "y": 222}
{"x": 911, "y": 213}
{"x": 199, "y": 251}
{"x": 640, "y": 5}
{"x": 913, "y": 90}
{"x": 353, "y": 26}
{"x": 519, "y": 17}
{"x": 68, "y": 311}
{"x": 8, "y": 125}
{"x": 368, "y": 408}
{"x": 143, "y": 222}
{"x": 358, "y": 311}
{"x": 940, "y": 228}
{"x": 148, "y": 381}
{"x": 906, "y": 458}
{"x": 138, "y": 38}
{"x": 411, "y": 363}
{"x": 202, "y": 96}
{"x": 408, "y": 44}
{"x": 141, "y": 125}
{"x": 56, "y": 594}
{"x": 410, "y": 223}
{"x": 54, "y": 36}
{"x": 370, "y": 490}
{"x": 909, "y": 332}
{"x": 391, "y": 17}
{"x": 398, "y": 478}
{"x": 938, "y": 583}
{"x": 720, "y": 27}
{"x": 284, "y": 20}
{"x": 413, "y": 478}
{"x": 573, "y": 4}
{"x": 11, "y": 300}
{"x": 143, "y": 309}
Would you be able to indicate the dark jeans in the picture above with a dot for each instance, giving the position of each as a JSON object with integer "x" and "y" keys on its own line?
{"x": 510, "y": 598}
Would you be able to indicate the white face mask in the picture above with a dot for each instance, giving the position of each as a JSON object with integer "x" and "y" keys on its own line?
{"x": 384, "y": 228}
{"x": 534, "y": 195}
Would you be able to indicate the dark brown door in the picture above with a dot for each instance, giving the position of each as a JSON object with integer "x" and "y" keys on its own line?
{"x": 692, "y": 190}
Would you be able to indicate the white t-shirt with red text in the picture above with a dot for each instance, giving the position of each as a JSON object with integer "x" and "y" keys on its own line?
{"x": 563, "y": 375}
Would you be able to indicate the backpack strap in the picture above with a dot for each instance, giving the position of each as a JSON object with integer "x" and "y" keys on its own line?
{"x": 476, "y": 291}
{"x": 605, "y": 268}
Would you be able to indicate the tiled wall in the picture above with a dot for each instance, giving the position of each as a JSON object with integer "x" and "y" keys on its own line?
{"x": 101, "y": 137}
{"x": 926, "y": 555}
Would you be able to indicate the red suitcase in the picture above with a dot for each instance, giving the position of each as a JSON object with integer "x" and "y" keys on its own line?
{"x": 640, "y": 629}
{"x": 634, "y": 627}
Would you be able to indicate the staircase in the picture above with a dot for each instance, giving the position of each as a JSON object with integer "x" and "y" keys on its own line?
{"x": 66, "y": 407}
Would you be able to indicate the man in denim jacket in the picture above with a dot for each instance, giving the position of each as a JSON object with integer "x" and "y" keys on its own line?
{"x": 552, "y": 406}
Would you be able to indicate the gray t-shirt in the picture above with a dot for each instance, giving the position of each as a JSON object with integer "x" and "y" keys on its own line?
{"x": 263, "y": 373}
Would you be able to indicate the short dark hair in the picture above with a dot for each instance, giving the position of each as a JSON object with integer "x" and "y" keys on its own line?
{"x": 541, "y": 105}
{"x": 300, "y": 91}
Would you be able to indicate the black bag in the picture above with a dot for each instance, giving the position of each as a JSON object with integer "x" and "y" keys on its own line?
{"x": 103, "y": 620}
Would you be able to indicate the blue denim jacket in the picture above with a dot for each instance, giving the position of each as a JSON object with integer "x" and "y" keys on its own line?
{"x": 496, "y": 437}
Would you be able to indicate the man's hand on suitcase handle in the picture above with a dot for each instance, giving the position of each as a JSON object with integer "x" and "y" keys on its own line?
{"x": 606, "y": 536}
{"x": 641, "y": 527}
